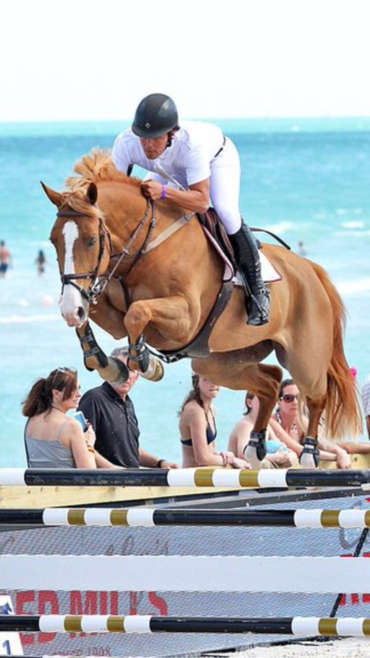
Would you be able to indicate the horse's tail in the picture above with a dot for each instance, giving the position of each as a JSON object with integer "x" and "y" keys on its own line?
{"x": 342, "y": 412}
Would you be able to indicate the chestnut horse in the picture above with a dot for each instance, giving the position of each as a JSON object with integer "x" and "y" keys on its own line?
{"x": 162, "y": 296}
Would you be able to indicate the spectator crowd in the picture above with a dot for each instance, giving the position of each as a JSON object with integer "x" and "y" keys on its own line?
{"x": 105, "y": 433}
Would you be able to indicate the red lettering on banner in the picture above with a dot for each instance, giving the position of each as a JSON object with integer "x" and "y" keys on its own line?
{"x": 158, "y": 603}
{"x": 355, "y": 599}
{"x": 90, "y": 607}
{"x": 103, "y": 603}
{"x": 114, "y": 603}
{"x": 48, "y": 604}
{"x": 22, "y": 598}
{"x": 133, "y": 603}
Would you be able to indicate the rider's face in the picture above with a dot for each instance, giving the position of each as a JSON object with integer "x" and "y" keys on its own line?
{"x": 153, "y": 147}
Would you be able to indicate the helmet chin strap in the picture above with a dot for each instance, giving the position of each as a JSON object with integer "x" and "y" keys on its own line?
{"x": 170, "y": 136}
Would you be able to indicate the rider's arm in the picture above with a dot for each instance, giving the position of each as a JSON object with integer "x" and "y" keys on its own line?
{"x": 197, "y": 198}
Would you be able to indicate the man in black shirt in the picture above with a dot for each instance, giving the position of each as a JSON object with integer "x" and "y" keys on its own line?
{"x": 112, "y": 414}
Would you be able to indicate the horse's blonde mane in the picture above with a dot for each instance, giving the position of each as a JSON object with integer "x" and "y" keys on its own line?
{"x": 95, "y": 167}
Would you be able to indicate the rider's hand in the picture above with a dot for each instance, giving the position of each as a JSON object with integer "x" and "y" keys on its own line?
{"x": 151, "y": 189}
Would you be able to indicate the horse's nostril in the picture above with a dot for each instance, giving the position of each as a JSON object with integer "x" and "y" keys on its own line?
{"x": 80, "y": 312}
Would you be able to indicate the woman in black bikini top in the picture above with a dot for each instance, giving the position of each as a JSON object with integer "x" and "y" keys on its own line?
{"x": 198, "y": 428}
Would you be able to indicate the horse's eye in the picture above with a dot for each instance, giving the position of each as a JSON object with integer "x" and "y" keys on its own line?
{"x": 91, "y": 242}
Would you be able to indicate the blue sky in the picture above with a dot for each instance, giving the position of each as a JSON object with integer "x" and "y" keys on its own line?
{"x": 95, "y": 60}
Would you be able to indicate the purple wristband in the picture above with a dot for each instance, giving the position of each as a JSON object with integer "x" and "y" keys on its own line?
{"x": 164, "y": 191}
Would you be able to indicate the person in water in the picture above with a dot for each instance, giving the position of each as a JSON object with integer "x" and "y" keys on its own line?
{"x": 197, "y": 157}
{"x": 40, "y": 262}
{"x": 5, "y": 259}
{"x": 198, "y": 428}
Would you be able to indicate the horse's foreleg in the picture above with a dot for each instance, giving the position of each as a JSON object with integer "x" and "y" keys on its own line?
{"x": 168, "y": 318}
{"x": 111, "y": 369}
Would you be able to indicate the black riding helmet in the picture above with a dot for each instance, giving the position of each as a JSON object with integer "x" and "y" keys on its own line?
{"x": 155, "y": 116}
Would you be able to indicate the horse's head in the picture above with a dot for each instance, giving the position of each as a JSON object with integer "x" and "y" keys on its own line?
{"x": 83, "y": 248}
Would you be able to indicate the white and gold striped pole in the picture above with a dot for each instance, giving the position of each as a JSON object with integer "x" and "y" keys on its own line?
{"x": 144, "y": 517}
{"x": 302, "y": 626}
{"x": 186, "y": 477}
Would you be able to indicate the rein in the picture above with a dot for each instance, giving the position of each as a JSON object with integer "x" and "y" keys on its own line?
{"x": 98, "y": 284}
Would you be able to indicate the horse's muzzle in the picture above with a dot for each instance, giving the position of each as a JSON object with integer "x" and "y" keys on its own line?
{"x": 75, "y": 318}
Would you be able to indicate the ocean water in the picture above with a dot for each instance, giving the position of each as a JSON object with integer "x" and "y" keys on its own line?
{"x": 303, "y": 179}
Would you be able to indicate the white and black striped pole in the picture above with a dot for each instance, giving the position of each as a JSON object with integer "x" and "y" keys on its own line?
{"x": 308, "y": 626}
{"x": 186, "y": 477}
{"x": 146, "y": 517}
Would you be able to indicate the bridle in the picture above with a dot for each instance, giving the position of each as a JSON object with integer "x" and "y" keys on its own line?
{"x": 99, "y": 283}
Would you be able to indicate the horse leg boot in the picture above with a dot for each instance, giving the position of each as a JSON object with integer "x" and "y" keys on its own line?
{"x": 143, "y": 362}
{"x": 110, "y": 369}
{"x": 249, "y": 267}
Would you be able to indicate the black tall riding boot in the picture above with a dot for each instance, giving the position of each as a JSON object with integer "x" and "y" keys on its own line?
{"x": 249, "y": 267}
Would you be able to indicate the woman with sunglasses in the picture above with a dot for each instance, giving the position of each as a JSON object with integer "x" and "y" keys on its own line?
{"x": 52, "y": 439}
{"x": 290, "y": 426}
{"x": 198, "y": 428}
{"x": 278, "y": 455}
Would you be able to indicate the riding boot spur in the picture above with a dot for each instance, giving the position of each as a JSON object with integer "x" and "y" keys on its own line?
{"x": 249, "y": 267}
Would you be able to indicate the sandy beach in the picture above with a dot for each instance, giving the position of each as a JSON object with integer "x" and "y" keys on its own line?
{"x": 341, "y": 648}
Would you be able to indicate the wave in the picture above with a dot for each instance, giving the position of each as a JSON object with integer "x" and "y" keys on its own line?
{"x": 353, "y": 224}
{"x": 281, "y": 227}
{"x": 351, "y": 287}
{"x": 25, "y": 319}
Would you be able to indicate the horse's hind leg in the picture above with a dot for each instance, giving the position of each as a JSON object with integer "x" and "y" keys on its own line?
{"x": 231, "y": 370}
{"x": 310, "y": 456}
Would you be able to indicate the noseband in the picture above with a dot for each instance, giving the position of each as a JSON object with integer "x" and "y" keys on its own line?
{"x": 98, "y": 284}
{"x": 95, "y": 288}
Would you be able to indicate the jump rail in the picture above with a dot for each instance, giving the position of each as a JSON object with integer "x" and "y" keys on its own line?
{"x": 185, "y": 573}
{"x": 141, "y": 517}
{"x": 308, "y": 626}
{"x": 188, "y": 477}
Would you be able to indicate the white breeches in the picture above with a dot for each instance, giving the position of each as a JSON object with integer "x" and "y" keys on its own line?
{"x": 225, "y": 186}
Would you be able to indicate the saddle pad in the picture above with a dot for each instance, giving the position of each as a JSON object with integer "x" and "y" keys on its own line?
{"x": 269, "y": 273}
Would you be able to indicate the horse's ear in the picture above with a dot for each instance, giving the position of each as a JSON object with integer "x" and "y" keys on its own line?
{"x": 55, "y": 197}
{"x": 92, "y": 193}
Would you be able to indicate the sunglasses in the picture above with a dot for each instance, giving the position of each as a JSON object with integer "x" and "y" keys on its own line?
{"x": 62, "y": 369}
{"x": 289, "y": 398}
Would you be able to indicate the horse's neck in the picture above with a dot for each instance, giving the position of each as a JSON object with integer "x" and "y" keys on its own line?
{"x": 124, "y": 207}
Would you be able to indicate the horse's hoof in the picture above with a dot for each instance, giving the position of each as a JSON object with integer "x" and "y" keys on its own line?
{"x": 250, "y": 454}
{"x": 154, "y": 371}
{"x": 121, "y": 374}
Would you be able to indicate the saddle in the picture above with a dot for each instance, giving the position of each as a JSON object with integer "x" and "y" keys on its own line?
{"x": 216, "y": 233}
{"x": 211, "y": 221}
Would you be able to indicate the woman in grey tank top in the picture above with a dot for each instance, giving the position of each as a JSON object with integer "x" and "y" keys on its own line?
{"x": 52, "y": 439}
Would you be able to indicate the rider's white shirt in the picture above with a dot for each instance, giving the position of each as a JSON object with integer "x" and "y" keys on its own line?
{"x": 188, "y": 160}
